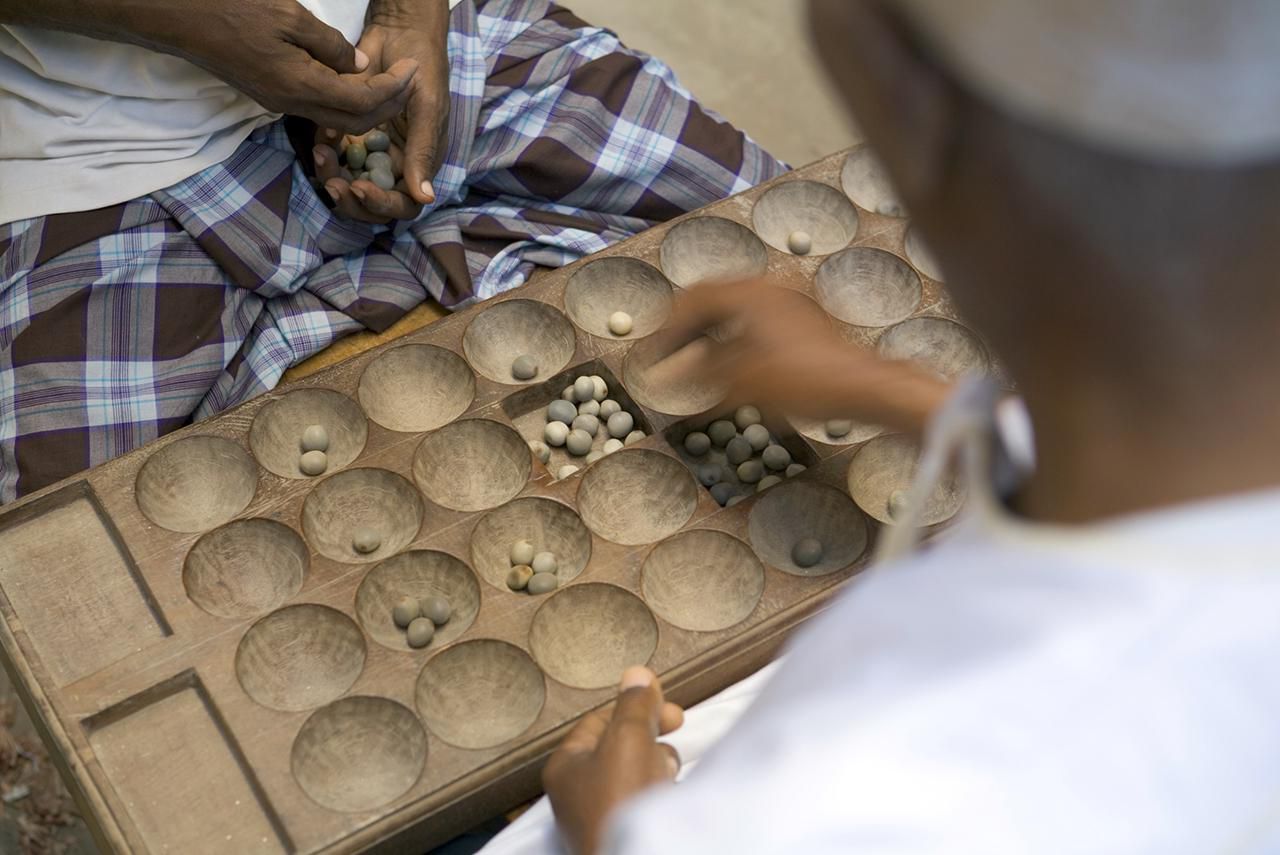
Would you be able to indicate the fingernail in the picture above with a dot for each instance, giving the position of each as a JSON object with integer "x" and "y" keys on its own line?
{"x": 362, "y": 60}
{"x": 357, "y": 192}
{"x": 428, "y": 191}
{"x": 330, "y": 134}
{"x": 333, "y": 192}
{"x": 636, "y": 677}
{"x": 318, "y": 154}
{"x": 673, "y": 765}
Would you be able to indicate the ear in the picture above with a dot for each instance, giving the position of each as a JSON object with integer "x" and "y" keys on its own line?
{"x": 905, "y": 105}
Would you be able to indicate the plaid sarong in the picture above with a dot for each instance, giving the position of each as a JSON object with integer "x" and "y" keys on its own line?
{"x": 118, "y": 325}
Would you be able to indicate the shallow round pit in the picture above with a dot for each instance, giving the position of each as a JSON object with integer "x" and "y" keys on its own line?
{"x": 868, "y": 287}
{"x": 886, "y": 465}
{"x": 358, "y": 499}
{"x": 805, "y": 206}
{"x": 585, "y": 636}
{"x": 480, "y": 694}
{"x": 418, "y": 574}
{"x": 702, "y": 580}
{"x": 548, "y": 525}
{"x": 866, "y": 182}
{"x": 359, "y": 753}
{"x": 637, "y": 496}
{"x": 922, "y": 257}
{"x": 416, "y": 388}
{"x": 940, "y": 345}
{"x": 472, "y": 465}
{"x": 711, "y": 248}
{"x": 276, "y": 434}
{"x": 659, "y": 379}
{"x": 501, "y": 333}
{"x": 816, "y": 429}
{"x": 611, "y": 285}
{"x": 795, "y": 510}
{"x": 196, "y": 483}
{"x": 245, "y": 568}
{"x": 300, "y": 657}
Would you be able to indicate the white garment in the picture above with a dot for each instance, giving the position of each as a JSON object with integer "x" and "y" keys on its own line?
{"x": 86, "y": 123}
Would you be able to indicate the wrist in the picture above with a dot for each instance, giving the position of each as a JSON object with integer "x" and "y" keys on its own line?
{"x": 416, "y": 14}
{"x": 898, "y": 395}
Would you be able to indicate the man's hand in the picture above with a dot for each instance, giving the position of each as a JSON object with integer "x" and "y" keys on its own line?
{"x": 611, "y": 756}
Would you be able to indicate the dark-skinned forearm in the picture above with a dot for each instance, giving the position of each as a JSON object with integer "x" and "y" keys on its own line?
{"x": 894, "y": 394}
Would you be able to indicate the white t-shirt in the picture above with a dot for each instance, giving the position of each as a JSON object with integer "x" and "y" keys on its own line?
{"x": 1016, "y": 689}
{"x": 86, "y": 123}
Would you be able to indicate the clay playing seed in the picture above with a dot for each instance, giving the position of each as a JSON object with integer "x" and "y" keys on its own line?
{"x": 710, "y": 474}
{"x": 315, "y": 438}
{"x": 556, "y": 433}
{"x": 751, "y": 472}
{"x": 567, "y": 395}
{"x": 613, "y": 445}
{"x": 897, "y": 503}
{"x": 561, "y": 411}
{"x": 540, "y": 450}
{"x": 838, "y": 428}
{"x": 420, "y": 633}
{"x": 758, "y": 436}
{"x": 795, "y": 469}
{"x": 799, "y": 242}
{"x": 366, "y": 540}
{"x": 544, "y": 562}
{"x": 634, "y": 437}
{"x": 807, "y": 552}
{"x": 379, "y": 160}
{"x": 521, "y": 553}
{"x": 721, "y": 432}
{"x": 722, "y": 493}
{"x": 587, "y": 424}
{"x": 382, "y": 178}
{"x": 524, "y": 367}
{"x": 776, "y": 458}
{"x": 621, "y": 424}
{"x": 739, "y": 451}
{"x": 313, "y": 463}
{"x": 519, "y": 577}
{"x": 584, "y": 389}
{"x": 602, "y": 388}
{"x": 620, "y": 323}
{"x": 736, "y": 500}
{"x": 697, "y": 443}
{"x": 356, "y": 153}
{"x": 766, "y": 483}
{"x": 438, "y": 610}
{"x": 594, "y": 456}
{"x": 406, "y": 611}
{"x": 377, "y": 140}
{"x": 566, "y": 471}
{"x": 745, "y": 417}
{"x": 542, "y": 583}
{"x": 363, "y": 176}
{"x": 607, "y": 408}
{"x": 590, "y": 408}
{"x": 578, "y": 443}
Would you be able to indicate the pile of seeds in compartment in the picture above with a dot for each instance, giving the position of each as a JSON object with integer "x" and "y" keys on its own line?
{"x": 419, "y": 618}
{"x": 754, "y": 458}
{"x": 583, "y": 414}
{"x": 531, "y": 571}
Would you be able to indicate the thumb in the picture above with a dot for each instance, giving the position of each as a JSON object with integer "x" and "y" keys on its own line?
{"x": 424, "y": 149}
{"x": 326, "y": 44}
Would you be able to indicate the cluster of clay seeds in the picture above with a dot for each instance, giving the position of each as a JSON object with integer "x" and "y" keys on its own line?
{"x": 532, "y": 572}
{"x": 420, "y": 617}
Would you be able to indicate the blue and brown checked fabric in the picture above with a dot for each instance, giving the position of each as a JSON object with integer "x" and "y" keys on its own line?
{"x": 121, "y": 324}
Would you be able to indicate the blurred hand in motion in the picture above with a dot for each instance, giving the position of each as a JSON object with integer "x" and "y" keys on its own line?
{"x": 611, "y": 756}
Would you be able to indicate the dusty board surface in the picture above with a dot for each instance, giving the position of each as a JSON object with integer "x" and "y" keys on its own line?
{"x": 240, "y": 652}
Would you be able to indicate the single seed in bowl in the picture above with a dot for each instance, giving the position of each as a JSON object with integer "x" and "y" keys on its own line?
{"x": 406, "y": 611}
{"x": 356, "y": 153}
{"x": 620, "y": 323}
{"x": 566, "y": 471}
{"x": 561, "y": 411}
{"x": 544, "y": 562}
{"x": 313, "y": 463}
{"x": 722, "y": 493}
{"x": 800, "y": 243}
{"x": 634, "y": 437}
{"x": 776, "y": 458}
{"x": 807, "y": 552}
{"x": 745, "y": 417}
{"x": 767, "y": 482}
{"x": 519, "y": 577}
{"x": 795, "y": 469}
{"x": 697, "y": 443}
{"x": 751, "y": 472}
{"x": 710, "y": 474}
{"x": 420, "y": 633}
{"x": 315, "y": 438}
{"x": 621, "y": 424}
{"x": 542, "y": 583}
{"x": 897, "y": 503}
{"x": 721, "y": 432}
{"x": 383, "y": 178}
{"x": 739, "y": 451}
{"x": 607, "y": 408}
{"x": 377, "y": 140}
{"x": 602, "y": 388}
{"x": 587, "y": 424}
{"x": 838, "y": 428}
{"x": 365, "y": 540}
{"x": 540, "y": 450}
{"x": 555, "y": 433}
{"x": 590, "y": 408}
{"x": 524, "y": 367}
{"x": 578, "y": 442}
{"x": 378, "y": 160}
{"x": 613, "y": 445}
{"x": 584, "y": 389}
{"x": 521, "y": 553}
{"x": 438, "y": 610}
{"x": 758, "y": 436}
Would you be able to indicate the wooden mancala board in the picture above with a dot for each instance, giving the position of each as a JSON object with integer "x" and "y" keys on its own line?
{"x": 216, "y": 669}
